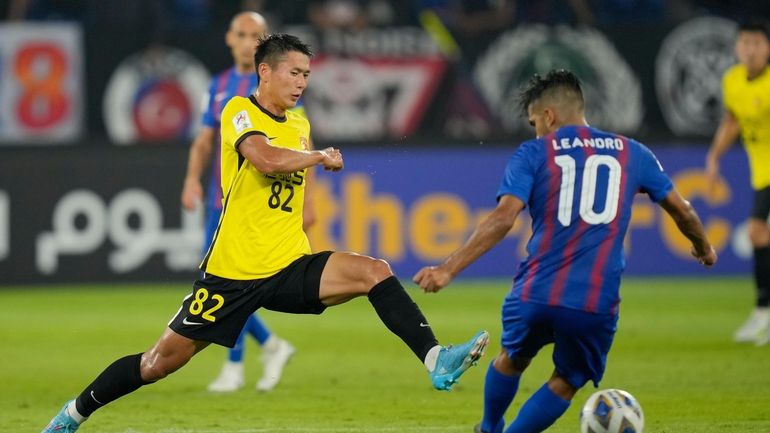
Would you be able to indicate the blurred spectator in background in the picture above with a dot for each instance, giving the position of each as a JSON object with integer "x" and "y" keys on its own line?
{"x": 340, "y": 14}
{"x": 738, "y": 10}
{"x": 464, "y": 28}
{"x": 555, "y": 12}
{"x": 471, "y": 17}
{"x": 616, "y": 12}
{"x": 352, "y": 15}
{"x": 475, "y": 24}
{"x": 191, "y": 14}
{"x": 53, "y": 10}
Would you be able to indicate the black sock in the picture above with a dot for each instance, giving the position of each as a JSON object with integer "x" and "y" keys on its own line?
{"x": 402, "y": 316}
{"x": 120, "y": 378}
{"x": 762, "y": 275}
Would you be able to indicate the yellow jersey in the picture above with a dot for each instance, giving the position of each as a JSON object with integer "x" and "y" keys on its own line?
{"x": 749, "y": 102}
{"x": 260, "y": 230}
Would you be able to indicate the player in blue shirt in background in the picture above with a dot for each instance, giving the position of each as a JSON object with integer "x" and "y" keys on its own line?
{"x": 240, "y": 80}
{"x": 579, "y": 183}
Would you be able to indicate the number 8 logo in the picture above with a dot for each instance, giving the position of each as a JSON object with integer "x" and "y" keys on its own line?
{"x": 40, "y": 69}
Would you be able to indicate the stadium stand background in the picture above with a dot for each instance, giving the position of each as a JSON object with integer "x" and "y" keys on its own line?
{"x": 100, "y": 100}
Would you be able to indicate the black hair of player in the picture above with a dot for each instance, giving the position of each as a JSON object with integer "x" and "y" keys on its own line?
{"x": 272, "y": 48}
{"x": 538, "y": 85}
{"x": 755, "y": 24}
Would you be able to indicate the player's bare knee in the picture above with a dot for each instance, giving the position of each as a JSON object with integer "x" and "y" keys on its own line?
{"x": 154, "y": 367}
{"x": 561, "y": 387}
{"x": 150, "y": 369}
{"x": 377, "y": 271}
{"x": 510, "y": 367}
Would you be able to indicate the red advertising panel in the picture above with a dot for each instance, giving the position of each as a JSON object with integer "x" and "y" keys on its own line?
{"x": 370, "y": 97}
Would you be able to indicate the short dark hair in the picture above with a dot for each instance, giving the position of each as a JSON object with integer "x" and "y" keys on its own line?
{"x": 273, "y": 47}
{"x": 538, "y": 87}
{"x": 755, "y": 25}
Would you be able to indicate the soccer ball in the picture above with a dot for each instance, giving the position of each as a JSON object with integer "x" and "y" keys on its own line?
{"x": 611, "y": 411}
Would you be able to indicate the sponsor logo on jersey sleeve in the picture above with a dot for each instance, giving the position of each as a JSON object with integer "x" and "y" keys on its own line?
{"x": 241, "y": 121}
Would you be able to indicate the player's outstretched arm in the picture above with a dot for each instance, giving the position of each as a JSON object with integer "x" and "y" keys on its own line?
{"x": 487, "y": 234}
{"x": 727, "y": 133}
{"x": 271, "y": 159}
{"x": 690, "y": 225}
{"x": 200, "y": 154}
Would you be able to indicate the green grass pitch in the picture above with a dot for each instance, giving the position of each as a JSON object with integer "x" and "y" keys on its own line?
{"x": 673, "y": 351}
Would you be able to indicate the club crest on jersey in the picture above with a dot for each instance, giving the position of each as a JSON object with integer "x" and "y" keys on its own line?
{"x": 241, "y": 121}
{"x": 303, "y": 143}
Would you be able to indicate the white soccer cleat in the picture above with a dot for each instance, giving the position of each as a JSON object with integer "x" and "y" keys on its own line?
{"x": 763, "y": 336}
{"x": 230, "y": 379}
{"x": 275, "y": 356}
{"x": 756, "y": 327}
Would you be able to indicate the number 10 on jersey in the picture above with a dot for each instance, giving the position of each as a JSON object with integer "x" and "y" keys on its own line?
{"x": 587, "y": 197}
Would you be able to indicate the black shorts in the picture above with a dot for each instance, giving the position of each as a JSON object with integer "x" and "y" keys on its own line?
{"x": 217, "y": 308}
{"x": 761, "y": 209}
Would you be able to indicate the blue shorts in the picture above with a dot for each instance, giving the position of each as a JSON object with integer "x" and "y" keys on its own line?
{"x": 212, "y": 220}
{"x": 581, "y": 339}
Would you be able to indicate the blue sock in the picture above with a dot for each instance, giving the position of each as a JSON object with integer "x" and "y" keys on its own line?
{"x": 236, "y": 353}
{"x": 539, "y": 412}
{"x": 499, "y": 391}
{"x": 256, "y": 327}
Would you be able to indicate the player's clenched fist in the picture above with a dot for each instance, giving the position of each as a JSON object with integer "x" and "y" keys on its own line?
{"x": 332, "y": 159}
{"x": 432, "y": 278}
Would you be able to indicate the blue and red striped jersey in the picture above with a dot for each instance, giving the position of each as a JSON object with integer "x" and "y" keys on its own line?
{"x": 579, "y": 183}
{"x": 223, "y": 87}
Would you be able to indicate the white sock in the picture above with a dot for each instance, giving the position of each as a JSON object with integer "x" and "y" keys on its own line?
{"x": 271, "y": 344}
{"x": 432, "y": 357}
{"x": 72, "y": 411}
{"x": 234, "y": 364}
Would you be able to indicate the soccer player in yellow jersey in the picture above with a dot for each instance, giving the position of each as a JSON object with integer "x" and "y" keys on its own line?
{"x": 241, "y": 79}
{"x": 746, "y": 89}
{"x": 260, "y": 257}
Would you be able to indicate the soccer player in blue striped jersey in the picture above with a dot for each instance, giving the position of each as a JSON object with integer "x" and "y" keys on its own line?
{"x": 240, "y": 80}
{"x": 579, "y": 183}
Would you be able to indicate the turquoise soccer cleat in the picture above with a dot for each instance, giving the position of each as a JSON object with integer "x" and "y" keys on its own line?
{"x": 62, "y": 422}
{"x": 454, "y": 360}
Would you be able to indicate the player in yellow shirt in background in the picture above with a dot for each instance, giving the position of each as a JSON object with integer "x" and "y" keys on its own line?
{"x": 746, "y": 91}
{"x": 260, "y": 256}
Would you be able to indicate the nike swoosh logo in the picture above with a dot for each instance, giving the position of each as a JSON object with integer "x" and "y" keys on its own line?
{"x": 94, "y": 397}
{"x": 187, "y": 322}
{"x": 271, "y": 138}
{"x": 424, "y": 325}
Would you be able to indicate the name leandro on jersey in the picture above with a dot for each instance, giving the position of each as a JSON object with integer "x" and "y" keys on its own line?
{"x": 596, "y": 143}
